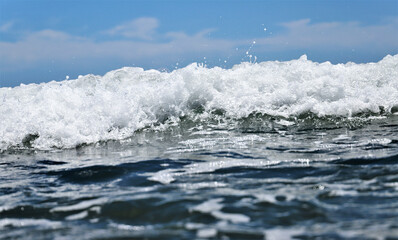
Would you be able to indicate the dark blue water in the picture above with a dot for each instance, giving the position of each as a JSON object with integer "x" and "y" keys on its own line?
{"x": 251, "y": 179}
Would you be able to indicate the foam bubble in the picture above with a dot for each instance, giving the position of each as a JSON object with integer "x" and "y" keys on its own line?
{"x": 94, "y": 108}
{"x": 209, "y": 206}
{"x": 37, "y": 223}
{"x": 207, "y": 233}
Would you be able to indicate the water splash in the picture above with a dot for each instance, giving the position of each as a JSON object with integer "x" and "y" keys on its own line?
{"x": 100, "y": 108}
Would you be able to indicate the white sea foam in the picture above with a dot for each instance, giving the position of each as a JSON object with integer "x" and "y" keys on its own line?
{"x": 169, "y": 175}
{"x": 94, "y": 108}
{"x": 209, "y": 206}
{"x": 207, "y": 233}
{"x": 77, "y": 216}
{"x": 80, "y": 206}
{"x": 214, "y": 207}
{"x": 25, "y": 222}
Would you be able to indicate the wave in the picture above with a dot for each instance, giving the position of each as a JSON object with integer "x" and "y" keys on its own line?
{"x": 99, "y": 108}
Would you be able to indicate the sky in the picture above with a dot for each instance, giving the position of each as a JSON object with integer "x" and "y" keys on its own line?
{"x": 45, "y": 40}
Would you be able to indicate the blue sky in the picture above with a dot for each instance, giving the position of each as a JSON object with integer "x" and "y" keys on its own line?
{"x": 48, "y": 40}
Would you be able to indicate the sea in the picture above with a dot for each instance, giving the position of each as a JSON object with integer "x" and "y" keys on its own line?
{"x": 266, "y": 150}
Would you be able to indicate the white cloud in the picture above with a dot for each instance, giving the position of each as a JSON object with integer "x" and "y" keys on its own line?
{"x": 6, "y": 26}
{"x": 142, "y": 43}
{"x": 50, "y": 45}
{"x": 332, "y": 35}
{"x": 141, "y": 28}
{"x": 40, "y": 46}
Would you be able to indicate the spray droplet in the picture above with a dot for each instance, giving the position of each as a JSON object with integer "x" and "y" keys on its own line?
{"x": 265, "y": 29}
{"x": 67, "y": 77}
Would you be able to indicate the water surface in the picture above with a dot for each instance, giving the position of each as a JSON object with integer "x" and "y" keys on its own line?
{"x": 275, "y": 150}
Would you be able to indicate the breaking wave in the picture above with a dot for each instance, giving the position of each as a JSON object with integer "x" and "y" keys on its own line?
{"x": 114, "y": 106}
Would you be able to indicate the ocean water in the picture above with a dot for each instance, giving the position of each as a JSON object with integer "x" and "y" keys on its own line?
{"x": 270, "y": 150}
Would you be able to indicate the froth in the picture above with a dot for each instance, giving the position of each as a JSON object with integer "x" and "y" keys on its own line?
{"x": 94, "y": 108}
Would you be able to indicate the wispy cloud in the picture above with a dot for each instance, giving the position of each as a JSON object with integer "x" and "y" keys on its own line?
{"x": 6, "y": 26}
{"x": 333, "y": 35}
{"x": 50, "y": 45}
{"x": 141, "y": 28}
{"x": 140, "y": 41}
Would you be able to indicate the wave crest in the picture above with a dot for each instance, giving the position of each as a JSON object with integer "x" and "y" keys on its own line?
{"x": 99, "y": 108}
